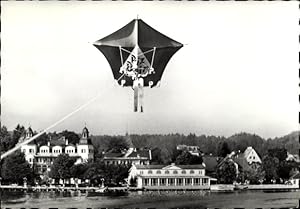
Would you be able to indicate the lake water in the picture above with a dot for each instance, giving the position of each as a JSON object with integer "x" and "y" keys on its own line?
{"x": 155, "y": 199}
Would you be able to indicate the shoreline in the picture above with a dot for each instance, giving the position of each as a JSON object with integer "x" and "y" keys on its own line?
{"x": 230, "y": 187}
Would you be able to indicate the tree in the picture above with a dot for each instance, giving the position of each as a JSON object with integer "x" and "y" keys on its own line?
{"x": 117, "y": 144}
{"x": 223, "y": 149}
{"x": 226, "y": 174}
{"x": 279, "y": 153}
{"x": 43, "y": 139}
{"x": 112, "y": 174}
{"x": 17, "y": 133}
{"x": 270, "y": 165}
{"x": 254, "y": 176}
{"x": 15, "y": 168}
{"x": 61, "y": 167}
{"x": 72, "y": 137}
{"x": 95, "y": 172}
{"x": 284, "y": 170}
{"x": 186, "y": 158}
{"x": 156, "y": 156}
{"x": 5, "y": 139}
{"x": 78, "y": 170}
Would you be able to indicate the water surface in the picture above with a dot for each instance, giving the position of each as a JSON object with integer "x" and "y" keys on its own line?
{"x": 152, "y": 199}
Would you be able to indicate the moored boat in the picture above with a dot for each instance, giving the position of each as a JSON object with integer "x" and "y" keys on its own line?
{"x": 102, "y": 190}
{"x": 222, "y": 187}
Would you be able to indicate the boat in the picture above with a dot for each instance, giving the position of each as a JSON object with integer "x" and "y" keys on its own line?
{"x": 240, "y": 187}
{"x": 18, "y": 201}
{"x": 222, "y": 187}
{"x": 102, "y": 190}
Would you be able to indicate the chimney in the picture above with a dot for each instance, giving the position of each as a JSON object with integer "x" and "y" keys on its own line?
{"x": 150, "y": 154}
{"x": 67, "y": 142}
{"x": 48, "y": 143}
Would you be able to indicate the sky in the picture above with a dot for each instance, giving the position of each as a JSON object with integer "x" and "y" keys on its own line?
{"x": 237, "y": 71}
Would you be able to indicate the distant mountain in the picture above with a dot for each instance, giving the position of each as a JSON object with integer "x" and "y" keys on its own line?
{"x": 289, "y": 142}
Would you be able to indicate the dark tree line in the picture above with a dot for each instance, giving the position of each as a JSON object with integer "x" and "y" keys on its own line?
{"x": 64, "y": 167}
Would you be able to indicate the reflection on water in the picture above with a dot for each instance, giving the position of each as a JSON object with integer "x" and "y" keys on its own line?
{"x": 152, "y": 199}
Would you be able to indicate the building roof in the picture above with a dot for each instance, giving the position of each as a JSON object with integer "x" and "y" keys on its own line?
{"x": 210, "y": 162}
{"x": 132, "y": 154}
{"x": 141, "y": 153}
{"x": 59, "y": 141}
{"x": 198, "y": 166}
{"x": 242, "y": 162}
{"x": 296, "y": 176}
{"x": 85, "y": 138}
{"x": 113, "y": 155}
{"x": 87, "y": 141}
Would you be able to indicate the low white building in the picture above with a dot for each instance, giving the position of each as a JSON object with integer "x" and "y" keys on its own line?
{"x": 130, "y": 157}
{"x": 168, "y": 177}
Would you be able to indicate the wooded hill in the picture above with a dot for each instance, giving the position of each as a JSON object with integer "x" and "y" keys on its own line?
{"x": 208, "y": 144}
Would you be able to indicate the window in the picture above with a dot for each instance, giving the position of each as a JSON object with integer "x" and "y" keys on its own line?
{"x": 162, "y": 182}
{"x": 200, "y": 172}
{"x": 149, "y": 172}
{"x": 146, "y": 182}
{"x": 167, "y": 172}
{"x": 175, "y": 172}
{"x": 154, "y": 181}
{"x": 196, "y": 181}
{"x": 141, "y": 172}
{"x": 205, "y": 181}
{"x": 158, "y": 172}
{"x": 179, "y": 182}
{"x": 171, "y": 181}
{"x": 188, "y": 181}
{"x": 183, "y": 172}
{"x": 192, "y": 172}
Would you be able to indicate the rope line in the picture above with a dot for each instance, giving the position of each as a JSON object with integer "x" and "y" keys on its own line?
{"x": 52, "y": 126}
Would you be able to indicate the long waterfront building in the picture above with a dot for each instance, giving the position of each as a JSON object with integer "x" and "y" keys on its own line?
{"x": 170, "y": 177}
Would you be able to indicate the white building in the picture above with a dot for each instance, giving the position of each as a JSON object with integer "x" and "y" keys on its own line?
{"x": 42, "y": 157}
{"x": 168, "y": 177}
{"x": 130, "y": 157}
{"x": 251, "y": 156}
{"x": 193, "y": 150}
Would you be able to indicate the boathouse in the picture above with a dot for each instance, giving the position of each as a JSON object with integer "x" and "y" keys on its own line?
{"x": 169, "y": 177}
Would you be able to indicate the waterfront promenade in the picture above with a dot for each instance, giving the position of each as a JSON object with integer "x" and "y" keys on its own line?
{"x": 59, "y": 188}
{"x": 92, "y": 189}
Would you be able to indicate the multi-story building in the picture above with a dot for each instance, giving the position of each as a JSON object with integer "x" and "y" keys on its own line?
{"x": 193, "y": 150}
{"x": 169, "y": 177}
{"x": 42, "y": 157}
{"x": 130, "y": 157}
